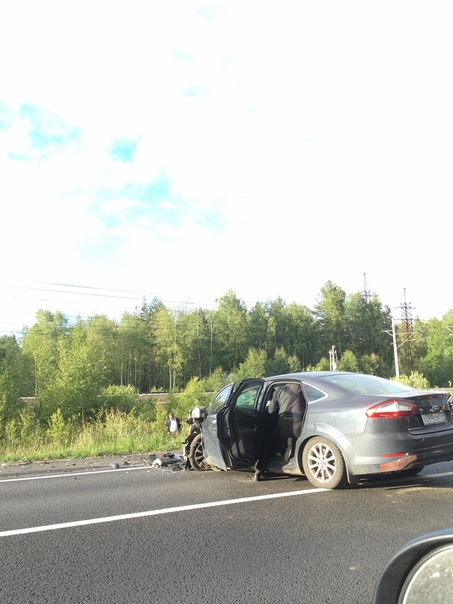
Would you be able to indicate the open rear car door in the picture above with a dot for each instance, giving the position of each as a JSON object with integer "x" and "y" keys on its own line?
{"x": 230, "y": 430}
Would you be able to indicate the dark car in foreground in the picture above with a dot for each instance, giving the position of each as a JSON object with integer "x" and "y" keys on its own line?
{"x": 343, "y": 427}
{"x": 420, "y": 572}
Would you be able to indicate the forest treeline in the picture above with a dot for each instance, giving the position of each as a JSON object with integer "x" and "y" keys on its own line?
{"x": 79, "y": 369}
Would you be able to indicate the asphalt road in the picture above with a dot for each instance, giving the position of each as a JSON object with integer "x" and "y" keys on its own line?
{"x": 139, "y": 534}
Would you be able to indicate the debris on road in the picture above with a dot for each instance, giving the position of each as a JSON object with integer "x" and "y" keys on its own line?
{"x": 169, "y": 461}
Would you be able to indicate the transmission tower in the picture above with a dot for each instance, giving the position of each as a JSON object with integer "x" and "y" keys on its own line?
{"x": 406, "y": 331}
{"x": 366, "y": 294}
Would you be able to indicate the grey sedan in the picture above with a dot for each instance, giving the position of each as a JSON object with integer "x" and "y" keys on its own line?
{"x": 332, "y": 427}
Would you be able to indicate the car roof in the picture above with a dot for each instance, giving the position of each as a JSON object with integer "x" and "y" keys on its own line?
{"x": 307, "y": 374}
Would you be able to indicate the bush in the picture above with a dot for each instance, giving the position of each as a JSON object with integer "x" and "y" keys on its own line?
{"x": 193, "y": 394}
{"x": 122, "y": 398}
{"x": 217, "y": 380}
{"x": 415, "y": 380}
{"x": 60, "y": 431}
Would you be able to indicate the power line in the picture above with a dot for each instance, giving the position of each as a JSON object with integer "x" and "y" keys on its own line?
{"x": 142, "y": 294}
{"x": 118, "y": 295}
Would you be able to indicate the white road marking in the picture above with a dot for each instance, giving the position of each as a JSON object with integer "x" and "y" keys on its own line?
{"x": 183, "y": 508}
{"x": 70, "y": 474}
{"x": 130, "y": 469}
{"x": 439, "y": 475}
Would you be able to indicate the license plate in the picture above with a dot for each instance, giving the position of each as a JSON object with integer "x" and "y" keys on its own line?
{"x": 434, "y": 418}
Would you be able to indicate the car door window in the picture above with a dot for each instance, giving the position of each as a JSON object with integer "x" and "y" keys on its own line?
{"x": 242, "y": 423}
{"x": 312, "y": 394}
{"x": 248, "y": 397}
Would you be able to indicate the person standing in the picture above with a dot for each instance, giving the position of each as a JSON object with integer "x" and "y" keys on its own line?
{"x": 173, "y": 424}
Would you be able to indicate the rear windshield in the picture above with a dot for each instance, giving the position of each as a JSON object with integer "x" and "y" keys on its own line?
{"x": 366, "y": 384}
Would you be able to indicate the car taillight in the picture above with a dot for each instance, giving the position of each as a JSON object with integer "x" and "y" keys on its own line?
{"x": 391, "y": 410}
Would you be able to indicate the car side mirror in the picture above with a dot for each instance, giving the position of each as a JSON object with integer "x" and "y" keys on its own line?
{"x": 420, "y": 572}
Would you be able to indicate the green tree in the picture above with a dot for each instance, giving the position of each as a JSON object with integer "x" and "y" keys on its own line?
{"x": 419, "y": 346}
{"x": 414, "y": 380}
{"x": 10, "y": 379}
{"x": 216, "y": 380}
{"x": 330, "y": 313}
{"x": 271, "y": 337}
{"x": 301, "y": 337}
{"x": 282, "y": 362}
{"x": 152, "y": 370}
{"x": 230, "y": 334}
{"x": 135, "y": 352}
{"x": 438, "y": 361}
{"x": 366, "y": 324}
{"x": 257, "y": 320}
{"x": 254, "y": 365}
{"x": 192, "y": 335}
{"x": 372, "y": 364}
{"x": 348, "y": 362}
{"x": 83, "y": 370}
{"x": 322, "y": 365}
{"x": 168, "y": 350}
{"x": 193, "y": 394}
{"x": 277, "y": 325}
{"x": 149, "y": 310}
{"x": 42, "y": 344}
{"x": 120, "y": 398}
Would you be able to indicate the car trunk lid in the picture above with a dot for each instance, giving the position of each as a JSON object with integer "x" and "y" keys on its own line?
{"x": 433, "y": 411}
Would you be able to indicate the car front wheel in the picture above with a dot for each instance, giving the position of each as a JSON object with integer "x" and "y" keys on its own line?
{"x": 196, "y": 455}
{"x": 323, "y": 464}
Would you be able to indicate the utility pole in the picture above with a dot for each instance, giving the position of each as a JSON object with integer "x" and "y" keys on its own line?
{"x": 395, "y": 347}
{"x": 333, "y": 359}
{"x": 406, "y": 334}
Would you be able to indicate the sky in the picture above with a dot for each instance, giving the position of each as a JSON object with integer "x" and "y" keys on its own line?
{"x": 182, "y": 149}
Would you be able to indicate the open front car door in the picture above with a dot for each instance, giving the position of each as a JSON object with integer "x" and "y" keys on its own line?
{"x": 230, "y": 430}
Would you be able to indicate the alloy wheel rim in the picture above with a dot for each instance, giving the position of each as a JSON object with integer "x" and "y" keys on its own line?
{"x": 322, "y": 462}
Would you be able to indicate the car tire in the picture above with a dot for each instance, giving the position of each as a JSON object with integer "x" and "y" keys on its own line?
{"x": 323, "y": 464}
{"x": 196, "y": 455}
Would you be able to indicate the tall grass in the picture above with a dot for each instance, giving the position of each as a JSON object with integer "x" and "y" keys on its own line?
{"x": 114, "y": 433}
{"x": 123, "y": 425}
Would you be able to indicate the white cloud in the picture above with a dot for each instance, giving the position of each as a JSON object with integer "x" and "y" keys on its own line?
{"x": 294, "y": 144}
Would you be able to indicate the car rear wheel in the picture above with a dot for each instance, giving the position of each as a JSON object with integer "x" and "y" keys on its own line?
{"x": 196, "y": 455}
{"x": 323, "y": 464}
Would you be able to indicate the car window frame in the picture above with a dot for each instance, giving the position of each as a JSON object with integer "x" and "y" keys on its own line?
{"x": 257, "y": 387}
{"x": 305, "y": 386}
